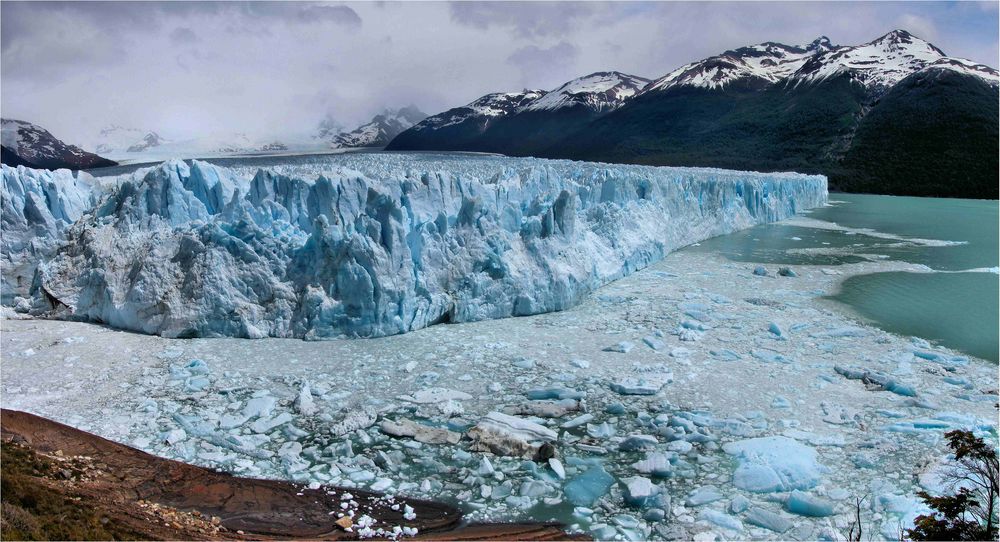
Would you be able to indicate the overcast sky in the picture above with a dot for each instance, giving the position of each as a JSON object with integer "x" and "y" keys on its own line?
{"x": 277, "y": 69}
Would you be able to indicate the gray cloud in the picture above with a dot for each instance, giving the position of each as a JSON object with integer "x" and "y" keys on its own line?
{"x": 525, "y": 18}
{"x": 545, "y": 67}
{"x": 276, "y": 68}
{"x": 183, "y": 36}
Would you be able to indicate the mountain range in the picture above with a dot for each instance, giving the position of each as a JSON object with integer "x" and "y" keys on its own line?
{"x": 895, "y": 115}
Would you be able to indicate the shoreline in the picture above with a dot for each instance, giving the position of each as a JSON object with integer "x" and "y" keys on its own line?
{"x": 797, "y": 395}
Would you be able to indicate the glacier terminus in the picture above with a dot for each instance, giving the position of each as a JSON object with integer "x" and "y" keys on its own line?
{"x": 365, "y": 245}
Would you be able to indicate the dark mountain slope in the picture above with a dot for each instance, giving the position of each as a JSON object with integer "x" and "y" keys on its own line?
{"x": 800, "y": 128}
{"x": 934, "y": 134}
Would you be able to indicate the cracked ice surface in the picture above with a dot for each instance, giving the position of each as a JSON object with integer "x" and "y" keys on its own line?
{"x": 361, "y": 246}
{"x": 735, "y": 445}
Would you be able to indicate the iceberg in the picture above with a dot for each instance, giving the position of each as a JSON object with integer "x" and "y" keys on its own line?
{"x": 361, "y": 246}
{"x": 774, "y": 464}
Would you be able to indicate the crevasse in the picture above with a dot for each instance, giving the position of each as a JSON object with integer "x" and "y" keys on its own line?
{"x": 371, "y": 245}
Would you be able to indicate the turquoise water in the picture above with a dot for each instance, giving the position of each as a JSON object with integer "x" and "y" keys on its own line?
{"x": 958, "y": 310}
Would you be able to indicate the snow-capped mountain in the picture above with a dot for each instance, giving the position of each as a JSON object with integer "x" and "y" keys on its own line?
{"x": 116, "y": 140}
{"x": 31, "y": 145}
{"x": 328, "y": 128}
{"x": 764, "y": 63}
{"x": 380, "y": 130}
{"x": 878, "y": 64}
{"x": 599, "y": 92}
{"x": 482, "y": 111}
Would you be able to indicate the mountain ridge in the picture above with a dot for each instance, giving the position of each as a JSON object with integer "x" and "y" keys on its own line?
{"x": 765, "y": 107}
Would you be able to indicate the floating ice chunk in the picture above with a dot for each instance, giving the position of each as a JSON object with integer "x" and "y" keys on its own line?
{"x": 229, "y": 421}
{"x": 544, "y": 409}
{"x": 197, "y": 367}
{"x": 580, "y": 363}
{"x": 638, "y": 491}
{"x": 557, "y": 467}
{"x": 876, "y": 378}
{"x": 485, "y": 467}
{"x": 842, "y": 332}
{"x": 623, "y": 347}
{"x": 781, "y": 402}
{"x": 578, "y": 421}
{"x": 805, "y": 504}
{"x": 533, "y": 488}
{"x": 601, "y": 430}
{"x": 647, "y": 384}
{"x": 760, "y": 271}
{"x": 654, "y": 343}
{"x": 174, "y": 436}
{"x": 770, "y": 356}
{"x": 768, "y": 520}
{"x": 264, "y": 425}
{"x": 655, "y": 464}
{"x": 419, "y": 432}
{"x": 721, "y": 519}
{"x": 703, "y": 495}
{"x": 774, "y": 463}
{"x": 356, "y": 419}
{"x": 585, "y": 489}
{"x": 436, "y": 395}
{"x": 758, "y": 479}
{"x": 634, "y": 443}
{"x": 259, "y": 406}
{"x": 940, "y": 357}
{"x": 787, "y": 272}
{"x": 304, "y": 403}
{"x": 554, "y": 393}
{"x": 738, "y": 504}
{"x": 381, "y": 484}
{"x": 680, "y": 446}
{"x": 725, "y": 355}
{"x": 524, "y": 363}
{"x": 776, "y": 330}
{"x": 503, "y": 434}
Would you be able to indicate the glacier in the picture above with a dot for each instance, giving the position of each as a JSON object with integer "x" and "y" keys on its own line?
{"x": 359, "y": 245}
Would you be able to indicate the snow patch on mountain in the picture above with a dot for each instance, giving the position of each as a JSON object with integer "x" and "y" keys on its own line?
{"x": 377, "y": 244}
{"x": 966, "y": 67}
{"x": 878, "y": 64}
{"x": 767, "y": 62}
{"x": 600, "y": 92}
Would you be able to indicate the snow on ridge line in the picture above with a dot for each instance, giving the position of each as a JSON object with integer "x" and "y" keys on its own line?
{"x": 184, "y": 251}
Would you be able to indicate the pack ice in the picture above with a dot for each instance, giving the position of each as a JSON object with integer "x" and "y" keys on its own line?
{"x": 366, "y": 246}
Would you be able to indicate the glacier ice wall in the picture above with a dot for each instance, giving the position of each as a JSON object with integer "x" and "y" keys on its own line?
{"x": 373, "y": 245}
{"x": 36, "y": 207}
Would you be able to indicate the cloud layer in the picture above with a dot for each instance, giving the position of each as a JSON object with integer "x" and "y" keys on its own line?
{"x": 277, "y": 69}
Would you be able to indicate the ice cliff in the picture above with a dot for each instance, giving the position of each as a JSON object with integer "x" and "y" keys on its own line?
{"x": 368, "y": 245}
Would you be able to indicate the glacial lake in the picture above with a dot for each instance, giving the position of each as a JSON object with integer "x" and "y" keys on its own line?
{"x": 956, "y": 305}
